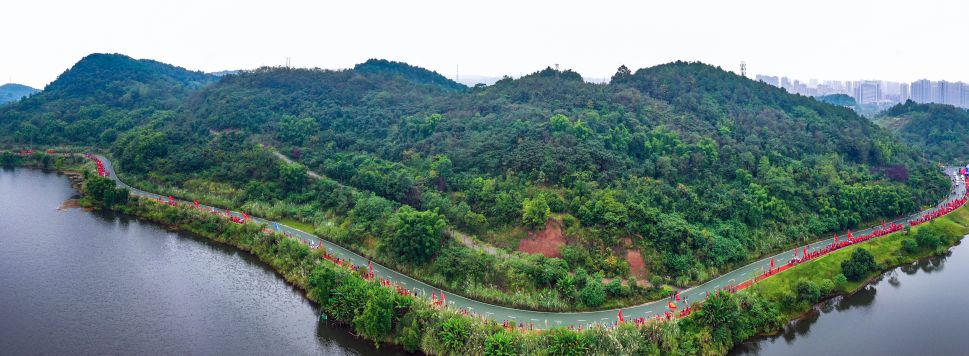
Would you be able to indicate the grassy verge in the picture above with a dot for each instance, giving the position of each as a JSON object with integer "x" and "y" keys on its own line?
{"x": 889, "y": 252}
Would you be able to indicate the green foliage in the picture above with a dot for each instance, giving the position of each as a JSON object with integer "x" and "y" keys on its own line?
{"x": 452, "y": 334}
{"x": 375, "y": 321}
{"x": 838, "y": 99}
{"x": 859, "y": 265}
{"x": 103, "y": 192}
{"x": 909, "y": 246}
{"x": 293, "y": 176}
{"x": 616, "y": 289}
{"x": 296, "y": 130}
{"x": 563, "y": 342}
{"x": 940, "y": 130}
{"x": 928, "y": 238}
{"x": 502, "y": 343}
{"x": 416, "y": 235}
{"x": 535, "y": 212}
{"x": 840, "y": 279}
{"x": 410, "y": 337}
{"x": 593, "y": 295}
{"x": 808, "y": 291}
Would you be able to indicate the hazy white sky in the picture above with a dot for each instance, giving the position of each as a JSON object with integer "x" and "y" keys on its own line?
{"x": 825, "y": 39}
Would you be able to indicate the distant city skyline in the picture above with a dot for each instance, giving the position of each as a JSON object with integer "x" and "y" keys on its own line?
{"x": 877, "y": 91}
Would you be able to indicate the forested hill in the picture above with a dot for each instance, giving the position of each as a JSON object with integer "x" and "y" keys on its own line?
{"x": 101, "y": 93}
{"x": 941, "y": 130}
{"x": 695, "y": 168}
{"x": 406, "y": 71}
{"x": 13, "y": 92}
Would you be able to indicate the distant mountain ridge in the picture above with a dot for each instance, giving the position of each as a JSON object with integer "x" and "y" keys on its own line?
{"x": 99, "y": 96}
{"x": 12, "y": 92}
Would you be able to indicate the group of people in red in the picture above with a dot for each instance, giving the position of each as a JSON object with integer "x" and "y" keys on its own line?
{"x": 97, "y": 162}
{"x": 885, "y": 229}
{"x": 945, "y": 209}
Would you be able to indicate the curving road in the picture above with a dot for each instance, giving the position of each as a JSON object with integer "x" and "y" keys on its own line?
{"x": 540, "y": 319}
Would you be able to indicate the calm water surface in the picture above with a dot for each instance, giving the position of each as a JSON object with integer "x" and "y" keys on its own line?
{"x": 919, "y": 309}
{"x": 77, "y": 282}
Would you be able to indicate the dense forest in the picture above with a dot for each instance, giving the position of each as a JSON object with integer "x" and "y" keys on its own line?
{"x": 695, "y": 169}
{"x": 942, "y": 131}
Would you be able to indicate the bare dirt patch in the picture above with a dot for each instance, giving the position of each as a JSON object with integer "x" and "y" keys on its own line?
{"x": 546, "y": 242}
{"x": 637, "y": 267}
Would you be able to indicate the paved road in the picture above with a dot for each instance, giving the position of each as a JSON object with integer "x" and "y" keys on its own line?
{"x": 542, "y": 320}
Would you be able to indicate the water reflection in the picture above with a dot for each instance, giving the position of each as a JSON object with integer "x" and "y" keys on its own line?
{"x": 881, "y": 320}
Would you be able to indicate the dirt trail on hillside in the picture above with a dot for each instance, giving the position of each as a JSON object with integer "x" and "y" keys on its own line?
{"x": 546, "y": 242}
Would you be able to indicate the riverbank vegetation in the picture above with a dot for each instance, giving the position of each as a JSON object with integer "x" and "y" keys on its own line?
{"x": 380, "y": 314}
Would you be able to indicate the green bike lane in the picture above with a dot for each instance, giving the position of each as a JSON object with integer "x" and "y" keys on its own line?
{"x": 539, "y": 319}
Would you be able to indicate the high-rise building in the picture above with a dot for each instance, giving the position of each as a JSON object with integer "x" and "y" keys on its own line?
{"x": 868, "y": 91}
{"x": 922, "y": 91}
{"x": 903, "y": 94}
{"x": 965, "y": 96}
{"x": 951, "y": 93}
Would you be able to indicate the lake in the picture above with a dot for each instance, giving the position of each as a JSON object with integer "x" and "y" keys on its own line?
{"x": 80, "y": 282}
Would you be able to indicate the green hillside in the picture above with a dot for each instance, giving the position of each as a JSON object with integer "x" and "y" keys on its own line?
{"x": 100, "y": 96}
{"x": 942, "y": 131}
{"x": 697, "y": 169}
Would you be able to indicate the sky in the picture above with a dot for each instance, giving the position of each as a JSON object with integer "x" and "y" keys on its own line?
{"x": 900, "y": 40}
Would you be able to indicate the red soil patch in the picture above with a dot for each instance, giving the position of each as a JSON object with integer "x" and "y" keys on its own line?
{"x": 546, "y": 242}
{"x": 637, "y": 267}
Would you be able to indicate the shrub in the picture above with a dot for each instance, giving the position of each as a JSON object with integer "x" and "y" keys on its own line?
{"x": 375, "y": 322}
{"x": 564, "y": 342}
{"x": 566, "y": 286}
{"x": 416, "y": 234}
{"x": 928, "y": 238}
{"x": 410, "y": 337}
{"x": 909, "y": 246}
{"x": 840, "y": 279}
{"x": 502, "y": 343}
{"x": 614, "y": 288}
{"x": 807, "y": 291}
{"x": 593, "y": 294}
{"x": 858, "y": 265}
{"x": 826, "y": 286}
{"x": 535, "y": 212}
{"x": 453, "y": 333}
